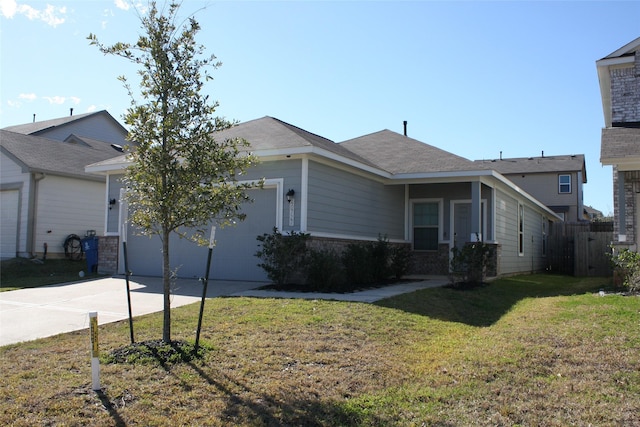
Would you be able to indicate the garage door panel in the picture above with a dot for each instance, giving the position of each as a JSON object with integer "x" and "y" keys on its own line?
{"x": 9, "y": 223}
{"x": 233, "y": 257}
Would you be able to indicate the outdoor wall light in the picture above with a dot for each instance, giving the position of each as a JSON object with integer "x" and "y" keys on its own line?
{"x": 111, "y": 203}
{"x": 290, "y": 195}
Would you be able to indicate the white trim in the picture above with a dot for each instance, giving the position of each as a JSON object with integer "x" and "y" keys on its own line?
{"x": 412, "y": 203}
{"x": 304, "y": 194}
{"x": 520, "y": 206}
{"x": 350, "y": 237}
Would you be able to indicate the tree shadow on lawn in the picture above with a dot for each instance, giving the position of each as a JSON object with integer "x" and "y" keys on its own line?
{"x": 486, "y": 304}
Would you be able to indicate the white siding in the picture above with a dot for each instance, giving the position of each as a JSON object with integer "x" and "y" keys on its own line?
{"x": 67, "y": 206}
{"x": 13, "y": 178}
{"x": 9, "y": 223}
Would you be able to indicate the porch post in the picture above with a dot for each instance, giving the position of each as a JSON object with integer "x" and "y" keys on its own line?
{"x": 622, "y": 207}
{"x": 476, "y": 217}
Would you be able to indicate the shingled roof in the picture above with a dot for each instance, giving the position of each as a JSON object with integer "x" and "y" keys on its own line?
{"x": 269, "y": 133}
{"x": 542, "y": 164}
{"x": 399, "y": 154}
{"x": 36, "y": 128}
{"x": 55, "y": 157}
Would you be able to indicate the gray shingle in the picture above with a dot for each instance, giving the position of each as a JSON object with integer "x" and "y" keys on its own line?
{"x": 55, "y": 157}
{"x": 399, "y": 154}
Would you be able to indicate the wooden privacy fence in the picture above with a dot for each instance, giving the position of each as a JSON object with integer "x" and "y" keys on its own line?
{"x": 580, "y": 249}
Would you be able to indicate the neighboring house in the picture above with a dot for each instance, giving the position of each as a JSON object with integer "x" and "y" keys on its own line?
{"x": 382, "y": 184}
{"x": 45, "y": 193}
{"x": 619, "y": 76}
{"x": 593, "y": 214}
{"x": 557, "y": 181}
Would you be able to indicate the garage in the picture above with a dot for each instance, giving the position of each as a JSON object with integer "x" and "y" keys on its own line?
{"x": 9, "y": 223}
{"x": 233, "y": 256}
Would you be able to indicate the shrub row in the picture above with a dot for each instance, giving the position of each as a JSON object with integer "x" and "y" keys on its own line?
{"x": 288, "y": 260}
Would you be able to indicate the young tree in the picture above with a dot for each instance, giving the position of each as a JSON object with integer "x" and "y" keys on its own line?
{"x": 181, "y": 177}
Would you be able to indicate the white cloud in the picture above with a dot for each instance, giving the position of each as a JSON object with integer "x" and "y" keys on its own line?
{"x": 74, "y": 99}
{"x": 50, "y": 15}
{"x": 28, "y": 96}
{"x": 122, "y": 4}
{"x": 8, "y": 8}
{"x": 55, "y": 99}
{"x": 91, "y": 108}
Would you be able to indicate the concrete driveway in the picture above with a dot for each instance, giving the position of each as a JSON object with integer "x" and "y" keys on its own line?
{"x": 32, "y": 313}
{"x": 28, "y": 314}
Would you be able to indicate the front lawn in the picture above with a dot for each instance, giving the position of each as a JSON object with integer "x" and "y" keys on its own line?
{"x": 529, "y": 350}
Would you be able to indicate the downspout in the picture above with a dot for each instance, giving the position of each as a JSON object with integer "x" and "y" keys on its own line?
{"x": 32, "y": 217}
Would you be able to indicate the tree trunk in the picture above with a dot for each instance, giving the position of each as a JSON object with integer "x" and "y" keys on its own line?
{"x": 166, "y": 282}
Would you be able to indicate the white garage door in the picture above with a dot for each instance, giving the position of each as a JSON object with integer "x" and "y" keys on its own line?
{"x": 233, "y": 256}
{"x": 9, "y": 223}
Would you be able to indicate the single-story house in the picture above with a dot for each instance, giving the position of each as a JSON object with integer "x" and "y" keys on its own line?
{"x": 382, "y": 184}
{"x": 45, "y": 193}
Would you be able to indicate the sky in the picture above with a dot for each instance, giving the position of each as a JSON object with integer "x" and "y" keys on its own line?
{"x": 474, "y": 78}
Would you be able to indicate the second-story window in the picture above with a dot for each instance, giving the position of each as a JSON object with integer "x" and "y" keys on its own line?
{"x": 564, "y": 184}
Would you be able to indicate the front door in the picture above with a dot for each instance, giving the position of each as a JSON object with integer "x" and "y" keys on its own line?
{"x": 461, "y": 224}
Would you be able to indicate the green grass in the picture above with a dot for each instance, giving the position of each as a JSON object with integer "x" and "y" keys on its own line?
{"x": 21, "y": 273}
{"x": 529, "y": 350}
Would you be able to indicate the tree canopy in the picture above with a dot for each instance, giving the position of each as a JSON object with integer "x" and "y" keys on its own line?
{"x": 182, "y": 176}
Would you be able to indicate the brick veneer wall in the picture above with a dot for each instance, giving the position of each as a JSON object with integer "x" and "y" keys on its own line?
{"x": 108, "y": 254}
{"x": 625, "y": 93}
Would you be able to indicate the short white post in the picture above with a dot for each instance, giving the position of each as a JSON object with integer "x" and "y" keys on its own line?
{"x": 95, "y": 362}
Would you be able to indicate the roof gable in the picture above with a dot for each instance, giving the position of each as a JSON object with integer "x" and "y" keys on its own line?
{"x": 399, "y": 154}
{"x": 44, "y": 155}
{"x": 269, "y": 133}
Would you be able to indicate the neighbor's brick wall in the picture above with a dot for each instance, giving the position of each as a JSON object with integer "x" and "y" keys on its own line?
{"x": 625, "y": 93}
{"x": 108, "y": 254}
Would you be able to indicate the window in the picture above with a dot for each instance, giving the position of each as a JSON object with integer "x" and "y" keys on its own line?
{"x": 520, "y": 229}
{"x": 564, "y": 184}
{"x": 426, "y": 220}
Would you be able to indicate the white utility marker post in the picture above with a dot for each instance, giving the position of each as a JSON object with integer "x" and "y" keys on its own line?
{"x": 95, "y": 353}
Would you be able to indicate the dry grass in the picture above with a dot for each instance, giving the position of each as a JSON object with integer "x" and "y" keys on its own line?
{"x": 538, "y": 350}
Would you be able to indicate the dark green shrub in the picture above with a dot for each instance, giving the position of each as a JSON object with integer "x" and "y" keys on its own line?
{"x": 469, "y": 264}
{"x": 325, "y": 272}
{"x": 283, "y": 256}
{"x": 380, "y": 253}
{"x": 358, "y": 265}
{"x": 626, "y": 266}
{"x": 399, "y": 261}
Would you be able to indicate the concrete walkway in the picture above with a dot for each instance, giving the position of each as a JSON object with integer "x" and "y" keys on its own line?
{"x": 33, "y": 313}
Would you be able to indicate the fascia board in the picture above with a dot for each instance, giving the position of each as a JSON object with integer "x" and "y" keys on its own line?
{"x": 297, "y": 151}
{"x": 101, "y": 168}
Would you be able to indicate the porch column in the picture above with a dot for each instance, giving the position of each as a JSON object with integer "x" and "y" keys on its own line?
{"x": 622, "y": 208}
{"x": 476, "y": 217}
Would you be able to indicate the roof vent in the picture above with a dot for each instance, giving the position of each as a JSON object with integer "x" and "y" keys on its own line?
{"x": 405, "y": 127}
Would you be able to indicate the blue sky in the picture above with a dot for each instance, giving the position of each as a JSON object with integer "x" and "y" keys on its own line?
{"x": 473, "y": 78}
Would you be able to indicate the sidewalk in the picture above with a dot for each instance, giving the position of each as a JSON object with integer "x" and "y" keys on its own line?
{"x": 32, "y": 313}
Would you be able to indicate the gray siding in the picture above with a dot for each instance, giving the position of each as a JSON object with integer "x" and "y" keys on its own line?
{"x": 544, "y": 187}
{"x": 96, "y": 127}
{"x": 343, "y": 203}
{"x": 510, "y": 260}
